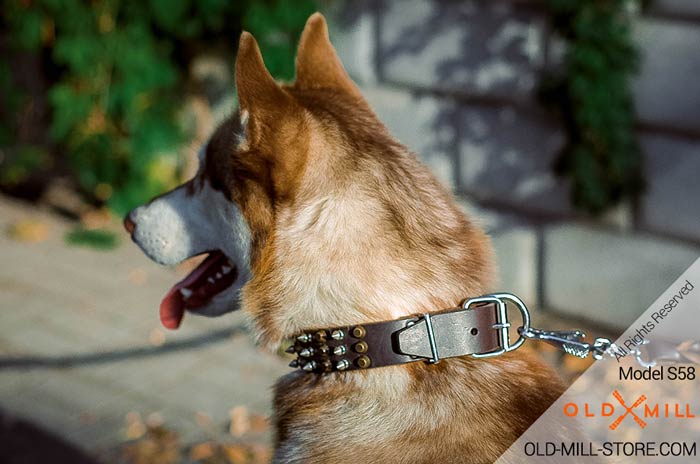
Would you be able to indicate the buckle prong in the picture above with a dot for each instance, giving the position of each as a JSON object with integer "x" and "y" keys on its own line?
{"x": 502, "y": 323}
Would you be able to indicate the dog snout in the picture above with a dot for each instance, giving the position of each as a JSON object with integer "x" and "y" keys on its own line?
{"x": 129, "y": 224}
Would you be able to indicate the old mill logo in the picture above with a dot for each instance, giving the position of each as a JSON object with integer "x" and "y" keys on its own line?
{"x": 628, "y": 410}
{"x": 638, "y": 411}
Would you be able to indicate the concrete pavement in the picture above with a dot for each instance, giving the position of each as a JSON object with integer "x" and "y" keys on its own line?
{"x": 81, "y": 345}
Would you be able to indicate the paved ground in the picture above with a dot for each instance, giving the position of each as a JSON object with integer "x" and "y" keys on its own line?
{"x": 81, "y": 346}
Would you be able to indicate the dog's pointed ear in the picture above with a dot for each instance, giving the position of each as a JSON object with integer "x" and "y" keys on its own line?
{"x": 318, "y": 66}
{"x": 259, "y": 95}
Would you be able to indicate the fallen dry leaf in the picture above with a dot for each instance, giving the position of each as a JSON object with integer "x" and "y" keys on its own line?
{"x": 154, "y": 420}
{"x": 236, "y": 454}
{"x": 258, "y": 423}
{"x": 138, "y": 276}
{"x": 158, "y": 446}
{"x": 135, "y": 428}
{"x": 240, "y": 421}
{"x": 96, "y": 219}
{"x": 202, "y": 451}
{"x": 29, "y": 231}
{"x": 156, "y": 337}
{"x": 261, "y": 454}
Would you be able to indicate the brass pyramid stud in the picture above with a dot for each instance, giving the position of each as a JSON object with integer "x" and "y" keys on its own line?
{"x": 361, "y": 347}
{"x": 363, "y": 362}
{"x": 358, "y": 332}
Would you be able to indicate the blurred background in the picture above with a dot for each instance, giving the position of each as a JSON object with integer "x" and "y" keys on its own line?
{"x": 570, "y": 129}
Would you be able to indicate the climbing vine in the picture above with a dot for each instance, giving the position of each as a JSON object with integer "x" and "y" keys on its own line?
{"x": 592, "y": 93}
{"x": 111, "y": 75}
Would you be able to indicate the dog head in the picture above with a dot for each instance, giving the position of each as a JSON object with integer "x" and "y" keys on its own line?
{"x": 310, "y": 212}
{"x": 197, "y": 218}
{"x": 247, "y": 167}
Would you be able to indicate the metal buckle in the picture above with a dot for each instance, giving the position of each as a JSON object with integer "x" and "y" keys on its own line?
{"x": 502, "y": 323}
{"x": 431, "y": 338}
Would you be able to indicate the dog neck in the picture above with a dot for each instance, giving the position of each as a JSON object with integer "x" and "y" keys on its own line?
{"x": 322, "y": 270}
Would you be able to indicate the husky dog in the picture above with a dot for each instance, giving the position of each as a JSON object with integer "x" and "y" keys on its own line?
{"x": 313, "y": 215}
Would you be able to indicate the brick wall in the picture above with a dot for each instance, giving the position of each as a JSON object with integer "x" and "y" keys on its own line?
{"x": 454, "y": 81}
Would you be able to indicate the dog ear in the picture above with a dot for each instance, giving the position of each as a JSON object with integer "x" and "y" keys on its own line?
{"x": 318, "y": 66}
{"x": 259, "y": 96}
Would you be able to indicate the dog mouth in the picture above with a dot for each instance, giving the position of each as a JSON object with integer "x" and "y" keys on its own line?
{"x": 213, "y": 275}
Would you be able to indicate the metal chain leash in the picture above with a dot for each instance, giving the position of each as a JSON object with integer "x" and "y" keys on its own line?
{"x": 647, "y": 354}
{"x": 572, "y": 342}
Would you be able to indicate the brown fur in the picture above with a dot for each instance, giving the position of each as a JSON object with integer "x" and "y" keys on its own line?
{"x": 349, "y": 227}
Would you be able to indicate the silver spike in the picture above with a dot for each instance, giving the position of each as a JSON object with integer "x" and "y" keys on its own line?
{"x": 310, "y": 366}
{"x": 342, "y": 365}
{"x": 337, "y": 334}
{"x": 306, "y": 352}
{"x": 304, "y": 338}
{"x": 294, "y": 363}
{"x": 339, "y": 350}
{"x": 290, "y": 349}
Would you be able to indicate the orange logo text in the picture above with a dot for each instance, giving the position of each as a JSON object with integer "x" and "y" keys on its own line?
{"x": 622, "y": 410}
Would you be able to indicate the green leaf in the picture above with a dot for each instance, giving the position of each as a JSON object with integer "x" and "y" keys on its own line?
{"x": 169, "y": 14}
{"x": 118, "y": 72}
{"x": 26, "y": 28}
{"x": 594, "y": 97}
{"x": 70, "y": 108}
{"x": 97, "y": 239}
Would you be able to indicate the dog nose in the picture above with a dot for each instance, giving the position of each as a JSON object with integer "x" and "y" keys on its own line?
{"x": 129, "y": 225}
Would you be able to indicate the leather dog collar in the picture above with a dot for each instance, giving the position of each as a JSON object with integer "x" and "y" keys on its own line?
{"x": 478, "y": 329}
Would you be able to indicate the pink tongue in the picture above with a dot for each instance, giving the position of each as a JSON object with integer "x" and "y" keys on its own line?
{"x": 172, "y": 309}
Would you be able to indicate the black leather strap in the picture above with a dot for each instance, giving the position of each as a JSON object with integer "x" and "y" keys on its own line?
{"x": 456, "y": 332}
